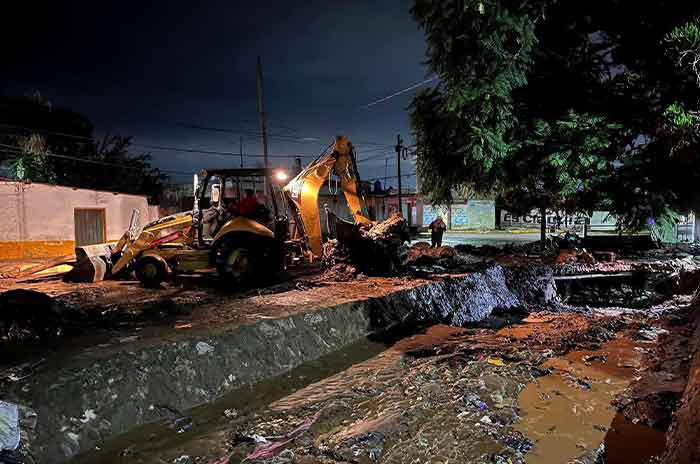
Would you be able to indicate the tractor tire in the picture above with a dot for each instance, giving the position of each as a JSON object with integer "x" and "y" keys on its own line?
{"x": 244, "y": 262}
{"x": 150, "y": 272}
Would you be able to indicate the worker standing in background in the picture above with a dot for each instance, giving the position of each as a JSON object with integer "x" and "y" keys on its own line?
{"x": 437, "y": 228}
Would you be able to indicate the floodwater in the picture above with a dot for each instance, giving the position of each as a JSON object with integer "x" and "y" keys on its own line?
{"x": 569, "y": 411}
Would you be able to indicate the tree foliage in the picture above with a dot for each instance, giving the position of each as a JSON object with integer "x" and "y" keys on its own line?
{"x": 43, "y": 143}
{"x": 569, "y": 105}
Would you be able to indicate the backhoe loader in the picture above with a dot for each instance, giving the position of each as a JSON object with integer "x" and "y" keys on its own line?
{"x": 216, "y": 236}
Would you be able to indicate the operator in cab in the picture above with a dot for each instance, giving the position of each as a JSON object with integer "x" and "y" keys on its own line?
{"x": 249, "y": 204}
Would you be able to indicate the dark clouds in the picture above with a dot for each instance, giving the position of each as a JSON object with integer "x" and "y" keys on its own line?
{"x": 141, "y": 68}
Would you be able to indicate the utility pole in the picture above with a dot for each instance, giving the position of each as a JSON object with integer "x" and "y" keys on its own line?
{"x": 263, "y": 125}
{"x": 241, "y": 149}
{"x": 261, "y": 110}
{"x": 399, "y": 149}
{"x": 386, "y": 170}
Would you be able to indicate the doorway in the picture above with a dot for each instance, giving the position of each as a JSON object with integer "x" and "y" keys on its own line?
{"x": 90, "y": 226}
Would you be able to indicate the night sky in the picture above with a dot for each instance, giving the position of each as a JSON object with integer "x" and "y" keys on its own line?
{"x": 149, "y": 71}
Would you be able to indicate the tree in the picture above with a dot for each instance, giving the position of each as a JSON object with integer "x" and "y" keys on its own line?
{"x": 594, "y": 103}
{"x": 43, "y": 143}
{"x": 29, "y": 160}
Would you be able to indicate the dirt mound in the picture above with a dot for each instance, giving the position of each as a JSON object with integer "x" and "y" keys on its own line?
{"x": 374, "y": 251}
{"x": 421, "y": 254}
{"x": 26, "y": 315}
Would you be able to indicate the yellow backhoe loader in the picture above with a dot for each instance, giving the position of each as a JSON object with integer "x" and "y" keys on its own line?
{"x": 244, "y": 247}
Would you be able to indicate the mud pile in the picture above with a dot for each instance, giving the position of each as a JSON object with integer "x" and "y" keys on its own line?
{"x": 28, "y": 316}
{"x": 374, "y": 251}
{"x": 421, "y": 254}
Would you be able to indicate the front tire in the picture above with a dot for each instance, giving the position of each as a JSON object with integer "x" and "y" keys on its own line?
{"x": 150, "y": 272}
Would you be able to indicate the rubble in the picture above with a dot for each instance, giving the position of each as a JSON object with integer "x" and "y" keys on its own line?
{"x": 422, "y": 254}
{"x": 26, "y": 315}
{"x": 374, "y": 251}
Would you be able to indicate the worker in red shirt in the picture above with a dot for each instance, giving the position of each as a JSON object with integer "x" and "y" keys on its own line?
{"x": 249, "y": 204}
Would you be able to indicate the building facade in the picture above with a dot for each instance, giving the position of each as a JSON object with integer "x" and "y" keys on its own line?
{"x": 43, "y": 220}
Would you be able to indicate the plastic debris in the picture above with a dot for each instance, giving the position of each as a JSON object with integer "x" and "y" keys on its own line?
{"x": 203, "y": 348}
{"x": 9, "y": 426}
{"x": 270, "y": 449}
{"x": 495, "y": 361}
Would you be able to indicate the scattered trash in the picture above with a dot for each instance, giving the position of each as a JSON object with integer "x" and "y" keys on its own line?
{"x": 203, "y": 348}
{"x": 180, "y": 422}
{"x": 20, "y": 372}
{"x": 652, "y": 334}
{"x": 495, "y": 361}
{"x": 9, "y": 426}
{"x": 268, "y": 450}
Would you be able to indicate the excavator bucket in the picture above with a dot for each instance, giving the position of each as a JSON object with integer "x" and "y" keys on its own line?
{"x": 93, "y": 263}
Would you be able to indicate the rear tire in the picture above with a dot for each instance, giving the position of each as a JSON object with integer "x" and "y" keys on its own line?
{"x": 150, "y": 272}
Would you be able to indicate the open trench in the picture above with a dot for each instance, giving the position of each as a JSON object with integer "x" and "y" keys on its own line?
{"x": 483, "y": 367}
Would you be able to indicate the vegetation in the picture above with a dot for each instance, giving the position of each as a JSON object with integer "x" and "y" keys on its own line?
{"x": 563, "y": 105}
{"x": 42, "y": 143}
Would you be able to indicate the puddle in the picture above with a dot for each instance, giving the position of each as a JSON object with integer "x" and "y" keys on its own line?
{"x": 626, "y": 442}
{"x": 568, "y": 413}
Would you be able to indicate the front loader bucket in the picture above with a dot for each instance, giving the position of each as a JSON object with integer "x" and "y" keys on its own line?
{"x": 93, "y": 263}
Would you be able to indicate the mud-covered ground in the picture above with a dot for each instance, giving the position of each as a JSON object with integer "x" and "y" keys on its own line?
{"x": 576, "y": 385}
{"x": 42, "y": 307}
{"x": 542, "y": 390}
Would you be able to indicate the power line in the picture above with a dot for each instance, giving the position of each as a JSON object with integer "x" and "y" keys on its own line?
{"x": 279, "y": 137}
{"x": 390, "y": 177}
{"x": 212, "y": 152}
{"x": 158, "y": 147}
{"x": 178, "y": 149}
{"x": 47, "y": 132}
{"x": 396, "y": 94}
{"x": 12, "y": 149}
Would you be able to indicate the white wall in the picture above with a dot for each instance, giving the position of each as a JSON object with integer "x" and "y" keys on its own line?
{"x": 43, "y": 212}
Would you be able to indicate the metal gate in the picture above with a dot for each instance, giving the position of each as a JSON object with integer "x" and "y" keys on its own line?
{"x": 90, "y": 226}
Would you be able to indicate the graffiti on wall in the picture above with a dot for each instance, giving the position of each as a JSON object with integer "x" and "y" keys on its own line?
{"x": 430, "y": 213}
{"x": 481, "y": 214}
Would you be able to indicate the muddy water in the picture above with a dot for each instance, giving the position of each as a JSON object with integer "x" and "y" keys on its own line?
{"x": 568, "y": 413}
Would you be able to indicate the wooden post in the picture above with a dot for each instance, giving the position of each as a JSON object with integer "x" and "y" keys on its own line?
{"x": 543, "y": 226}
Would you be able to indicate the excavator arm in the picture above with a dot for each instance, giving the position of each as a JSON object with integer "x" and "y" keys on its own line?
{"x": 302, "y": 191}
